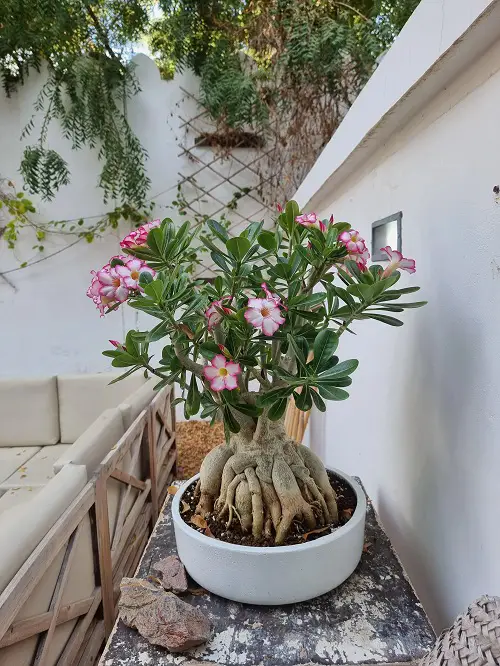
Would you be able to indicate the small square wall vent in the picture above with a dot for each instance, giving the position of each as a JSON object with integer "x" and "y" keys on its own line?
{"x": 386, "y": 231}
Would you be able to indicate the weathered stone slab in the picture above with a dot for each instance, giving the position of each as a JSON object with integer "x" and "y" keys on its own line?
{"x": 373, "y": 618}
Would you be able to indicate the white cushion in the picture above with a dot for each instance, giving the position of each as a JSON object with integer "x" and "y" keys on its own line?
{"x": 15, "y": 496}
{"x": 14, "y": 457}
{"x": 38, "y": 470}
{"x": 22, "y": 527}
{"x": 92, "y": 447}
{"x": 82, "y": 398}
{"x": 132, "y": 406}
{"x": 28, "y": 412}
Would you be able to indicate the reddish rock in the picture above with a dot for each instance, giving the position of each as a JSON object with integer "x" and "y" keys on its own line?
{"x": 173, "y": 574}
{"x": 161, "y": 617}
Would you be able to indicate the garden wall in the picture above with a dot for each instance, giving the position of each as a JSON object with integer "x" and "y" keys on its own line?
{"x": 48, "y": 325}
{"x": 422, "y": 425}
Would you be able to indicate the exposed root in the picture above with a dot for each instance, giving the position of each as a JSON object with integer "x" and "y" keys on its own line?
{"x": 266, "y": 486}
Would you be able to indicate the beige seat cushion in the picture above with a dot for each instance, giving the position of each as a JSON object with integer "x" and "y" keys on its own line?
{"x": 29, "y": 412}
{"x": 13, "y": 457}
{"x": 82, "y": 398}
{"x": 15, "y": 496}
{"x": 23, "y": 526}
{"x": 38, "y": 470}
{"x": 132, "y": 406}
{"x": 96, "y": 442}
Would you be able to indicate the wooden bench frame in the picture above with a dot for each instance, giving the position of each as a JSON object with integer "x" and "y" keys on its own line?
{"x": 150, "y": 442}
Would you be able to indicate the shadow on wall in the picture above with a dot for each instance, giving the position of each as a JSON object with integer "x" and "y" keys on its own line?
{"x": 430, "y": 519}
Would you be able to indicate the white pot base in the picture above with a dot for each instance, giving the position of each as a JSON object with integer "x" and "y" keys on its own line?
{"x": 277, "y": 575}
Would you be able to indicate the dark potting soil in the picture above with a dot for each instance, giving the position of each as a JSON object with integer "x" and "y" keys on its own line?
{"x": 215, "y": 527}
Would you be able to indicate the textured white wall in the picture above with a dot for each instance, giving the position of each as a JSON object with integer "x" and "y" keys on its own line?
{"x": 48, "y": 325}
{"x": 422, "y": 425}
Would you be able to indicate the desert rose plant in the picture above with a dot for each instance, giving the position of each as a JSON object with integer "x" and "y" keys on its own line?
{"x": 265, "y": 329}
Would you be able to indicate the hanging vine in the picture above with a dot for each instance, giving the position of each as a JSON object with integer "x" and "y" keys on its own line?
{"x": 85, "y": 48}
{"x": 288, "y": 70}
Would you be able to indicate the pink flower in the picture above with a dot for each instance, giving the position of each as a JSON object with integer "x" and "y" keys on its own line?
{"x": 360, "y": 259}
{"x": 310, "y": 220}
{"x": 332, "y": 219}
{"x": 265, "y": 313}
{"x": 116, "y": 344}
{"x": 222, "y": 374}
{"x": 139, "y": 236}
{"x": 112, "y": 285}
{"x": 131, "y": 271}
{"x": 270, "y": 296}
{"x": 353, "y": 242}
{"x": 279, "y": 208}
{"x": 397, "y": 261}
{"x": 213, "y": 312}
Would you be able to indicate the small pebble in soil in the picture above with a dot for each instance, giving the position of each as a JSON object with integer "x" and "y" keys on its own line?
{"x": 346, "y": 502}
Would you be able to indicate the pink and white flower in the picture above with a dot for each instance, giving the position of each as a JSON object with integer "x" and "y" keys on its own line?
{"x": 265, "y": 313}
{"x": 397, "y": 262}
{"x": 310, "y": 220}
{"x": 215, "y": 312}
{"x": 360, "y": 259}
{"x": 270, "y": 296}
{"x": 222, "y": 374}
{"x": 353, "y": 242}
{"x": 131, "y": 271}
{"x": 139, "y": 236}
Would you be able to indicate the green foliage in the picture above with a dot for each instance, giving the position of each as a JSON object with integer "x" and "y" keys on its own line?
{"x": 20, "y": 213}
{"x": 89, "y": 81}
{"x": 287, "y": 69}
{"x": 320, "y": 295}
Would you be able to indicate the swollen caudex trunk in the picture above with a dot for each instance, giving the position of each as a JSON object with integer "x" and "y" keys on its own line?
{"x": 265, "y": 481}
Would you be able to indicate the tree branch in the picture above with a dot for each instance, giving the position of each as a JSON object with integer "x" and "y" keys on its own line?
{"x": 190, "y": 365}
{"x": 102, "y": 33}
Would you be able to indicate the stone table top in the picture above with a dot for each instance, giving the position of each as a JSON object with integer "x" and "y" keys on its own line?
{"x": 372, "y": 618}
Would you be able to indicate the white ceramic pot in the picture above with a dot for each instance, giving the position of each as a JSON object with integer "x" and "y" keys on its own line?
{"x": 275, "y": 575}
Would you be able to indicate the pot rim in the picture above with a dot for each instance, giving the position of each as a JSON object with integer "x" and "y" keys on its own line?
{"x": 356, "y": 518}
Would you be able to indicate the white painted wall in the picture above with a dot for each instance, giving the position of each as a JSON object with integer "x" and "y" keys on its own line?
{"x": 48, "y": 325}
{"x": 422, "y": 425}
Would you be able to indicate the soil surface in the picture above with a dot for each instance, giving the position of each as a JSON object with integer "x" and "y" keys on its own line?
{"x": 214, "y": 527}
{"x": 194, "y": 440}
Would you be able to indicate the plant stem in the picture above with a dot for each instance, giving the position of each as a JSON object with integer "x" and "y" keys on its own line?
{"x": 190, "y": 365}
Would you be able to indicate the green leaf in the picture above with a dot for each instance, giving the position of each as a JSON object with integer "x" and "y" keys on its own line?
{"x": 218, "y": 230}
{"x": 209, "y": 349}
{"x": 271, "y": 396}
{"x": 299, "y": 346}
{"x": 145, "y": 278}
{"x": 303, "y": 400}
{"x": 277, "y": 410}
{"x": 248, "y": 410}
{"x": 292, "y": 210}
{"x": 193, "y": 397}
{"x": 154, "y": 290}
{"x": 218, "y": 259}
{"x": 325, "y": 344}
{"x": 385, "y": 319}
{"x": 267, "y": 240}
{"x": 230, "y": 421}
{"x": 238, "y": 247}
{"x": 318, "y": 401}
{"x": 312, "y": 300}
{"x": 123, "y": 361}
{"x": 346, "y": 297}
{"x": 339, "y": 370}
{"x": 158, "y": 332}
{"x": 124, "y": 376}
{"x": 131, "y": 345}
{"x": 332, "y": 393}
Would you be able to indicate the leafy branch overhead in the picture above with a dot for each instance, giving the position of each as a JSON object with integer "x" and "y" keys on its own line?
{"x": 269, "y": 325}
{"x": 287, "y": 69}
{"x": 89, "y": 79}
